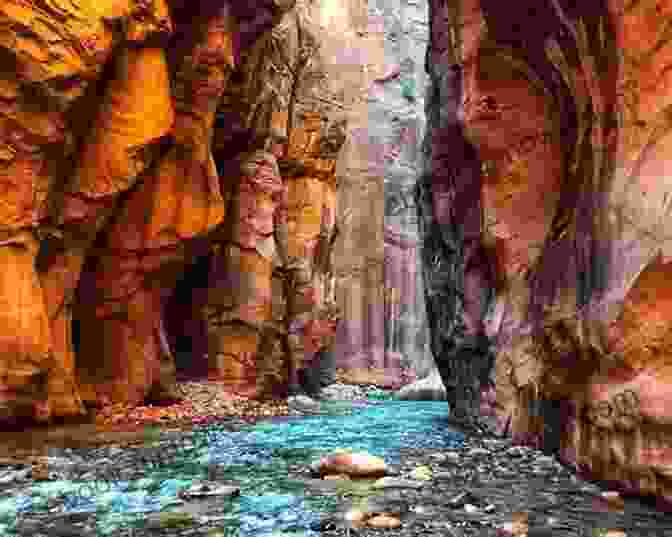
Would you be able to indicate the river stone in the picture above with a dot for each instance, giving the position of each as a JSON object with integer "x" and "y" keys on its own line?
{"x": 203, "y": 490}
{"x": 430, "y": 388}
{"x": 352, "y": 464}
{"x": 384, "y": 522}
{"x": 335, "y": 477}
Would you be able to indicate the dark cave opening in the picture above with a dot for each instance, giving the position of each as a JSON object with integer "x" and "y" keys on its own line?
{"x": 186, "y": 328}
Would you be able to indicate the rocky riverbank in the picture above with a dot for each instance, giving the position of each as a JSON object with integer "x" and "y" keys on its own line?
{"x": 432, "y": 486}
{"x": 206, "y": 401}
{"x": 485, "y": 488}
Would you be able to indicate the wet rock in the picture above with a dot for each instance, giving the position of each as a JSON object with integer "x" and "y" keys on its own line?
{"x": 352, "y": 464}
{"x": 206, "y": 489}
{"x": 336, "y": 477}
{"x": 384, "y": 522}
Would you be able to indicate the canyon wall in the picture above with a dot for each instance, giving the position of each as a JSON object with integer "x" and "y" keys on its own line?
{"x": 383, "y": 333}
{"x": 168, "y": 174}
{"x": 544, "y": 215}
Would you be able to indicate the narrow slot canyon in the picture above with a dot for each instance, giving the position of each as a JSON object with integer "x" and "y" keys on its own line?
{"x": 334, "y": 267}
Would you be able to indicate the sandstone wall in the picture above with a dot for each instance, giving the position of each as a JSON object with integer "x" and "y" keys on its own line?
{"x": 546, "y": 172}
{"x": 378, "y": 273}
{"x": 137, "y": 138}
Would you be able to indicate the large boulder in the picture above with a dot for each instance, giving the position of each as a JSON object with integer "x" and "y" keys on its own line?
{"x": 352, "y": 464}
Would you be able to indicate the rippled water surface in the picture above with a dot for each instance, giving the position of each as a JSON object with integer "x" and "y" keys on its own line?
{"x": 256, "y": 457}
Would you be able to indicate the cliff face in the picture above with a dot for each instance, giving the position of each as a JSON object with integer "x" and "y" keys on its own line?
{"x": 378, "y": 285}
{"x": 137, "y": 138}
{"x": 544, "y": 214}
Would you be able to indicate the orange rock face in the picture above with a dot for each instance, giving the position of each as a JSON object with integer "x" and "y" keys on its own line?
{"x": 111, "y": 188}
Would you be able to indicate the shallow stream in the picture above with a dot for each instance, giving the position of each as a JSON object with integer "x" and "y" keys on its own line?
{"x": 127, "y": 486}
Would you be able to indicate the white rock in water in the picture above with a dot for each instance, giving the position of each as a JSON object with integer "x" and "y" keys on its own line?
{"x": 430, "y": 388}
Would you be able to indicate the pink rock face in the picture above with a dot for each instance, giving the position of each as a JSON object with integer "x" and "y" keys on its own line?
{"x": 518, "y": 118}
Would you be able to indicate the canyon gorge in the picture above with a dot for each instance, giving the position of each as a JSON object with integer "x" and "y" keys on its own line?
{"x": 238, "y": 191}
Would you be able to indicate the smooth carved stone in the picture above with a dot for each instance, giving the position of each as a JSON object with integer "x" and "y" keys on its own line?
{"x": 645, "y": 396}
{"x": 621, "y": 411}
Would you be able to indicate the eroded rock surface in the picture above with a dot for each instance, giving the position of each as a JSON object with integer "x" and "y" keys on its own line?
{"x": 137, "y": 138}
{"x": 544, "y": 209}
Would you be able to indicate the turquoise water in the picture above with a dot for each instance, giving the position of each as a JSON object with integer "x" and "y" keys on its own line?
{"x": 257, "y": 458}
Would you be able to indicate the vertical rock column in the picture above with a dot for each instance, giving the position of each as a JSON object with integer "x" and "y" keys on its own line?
{"x": 311, "y": 219}
{"x": 145, "y": 248}
{"x": 241, "y": 305}
{"x": 242, "y": 320}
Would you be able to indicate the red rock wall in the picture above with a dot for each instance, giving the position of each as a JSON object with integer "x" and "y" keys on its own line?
{"x": 566, "y": 140}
